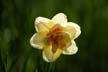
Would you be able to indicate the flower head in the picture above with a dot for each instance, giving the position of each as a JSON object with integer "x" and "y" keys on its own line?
{"x": 55, "y": 36}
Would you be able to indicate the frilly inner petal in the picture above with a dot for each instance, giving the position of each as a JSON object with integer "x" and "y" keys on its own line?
{"x": 49, "y": 56}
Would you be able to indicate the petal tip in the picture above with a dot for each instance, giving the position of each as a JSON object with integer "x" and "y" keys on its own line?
{"x": 41, "y": 19}
{"x": 61, "y": 14}
{"x": 60, "y": 18}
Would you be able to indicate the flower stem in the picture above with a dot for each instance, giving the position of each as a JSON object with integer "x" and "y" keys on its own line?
{"x": 51, "y": 67}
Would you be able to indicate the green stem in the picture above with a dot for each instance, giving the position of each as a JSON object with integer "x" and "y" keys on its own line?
{"x": 50, "y": 67}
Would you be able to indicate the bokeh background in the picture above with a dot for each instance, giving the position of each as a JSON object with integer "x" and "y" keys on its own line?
{"x": 17, "y": 26}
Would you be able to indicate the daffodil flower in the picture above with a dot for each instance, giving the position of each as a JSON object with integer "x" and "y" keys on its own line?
{"x": 55, "y": 36}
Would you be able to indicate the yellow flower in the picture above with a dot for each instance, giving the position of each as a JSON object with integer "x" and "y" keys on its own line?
{"x": 55, "y": 36}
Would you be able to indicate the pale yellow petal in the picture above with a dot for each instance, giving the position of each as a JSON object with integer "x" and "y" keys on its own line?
{"x": 71, "y": 50}
{"x": 37, "y": 40}
{"x": 73, "y": 30}
{"x": 44, "y": 57}
{"x": 43, "y": 24}
{"x": 49, "y": 56}
{"x": 48, "y": 53}
{"x": 57, "y": 54}
{"x": 60, "y": 18}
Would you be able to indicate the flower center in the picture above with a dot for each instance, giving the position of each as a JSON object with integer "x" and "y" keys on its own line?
{"x": 57, "y": 38}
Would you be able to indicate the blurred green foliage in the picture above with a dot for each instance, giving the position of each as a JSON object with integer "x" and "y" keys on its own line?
{"x": 17, "y": 26}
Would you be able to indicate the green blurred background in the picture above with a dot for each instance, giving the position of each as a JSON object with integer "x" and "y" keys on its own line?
{"x": 17, "y": 26}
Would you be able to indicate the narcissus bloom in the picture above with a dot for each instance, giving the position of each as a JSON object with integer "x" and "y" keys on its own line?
{"x": 55, "y": 36}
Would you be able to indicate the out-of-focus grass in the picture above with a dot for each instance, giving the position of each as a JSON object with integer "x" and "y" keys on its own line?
{"x": 17, "y": 26}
